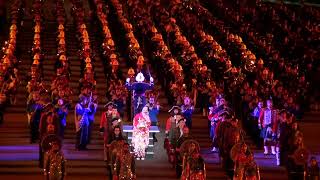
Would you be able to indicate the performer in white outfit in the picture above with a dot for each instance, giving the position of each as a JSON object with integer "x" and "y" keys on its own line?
{"x": 140, "y": 136}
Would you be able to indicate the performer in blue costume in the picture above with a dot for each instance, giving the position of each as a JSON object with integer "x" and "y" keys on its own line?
{"x": 82, "y": 111}
{"x": 34, "y": 109}
{"x": 154, "y": 109}
{"x": 139, "y": 88}
{"x": 187, "y": 111}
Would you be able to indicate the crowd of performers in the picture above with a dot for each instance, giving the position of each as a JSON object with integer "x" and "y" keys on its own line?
{"x": 48, "y": 108}
{"x": 184, "y": 152}
{"x": 48, "y": 114}
{"x": 9, "y": 73}
{"x": 48, "y": 121}
{"x": 276, "y": 130}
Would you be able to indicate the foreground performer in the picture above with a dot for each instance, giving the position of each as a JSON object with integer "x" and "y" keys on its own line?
{"x": 228, "y": 134}
{"x": 140, "y": 136}
{"x": 139, "y": 88}
{"x": 241, "y": 156}
{"x": 115, "y": 145}
{"x": 124, "y": 166}
{"x": 46, "y": 141}
{"x": 179, "y": 158}
{"x": 54, "y": 163}
{"x": 193, "y": 163}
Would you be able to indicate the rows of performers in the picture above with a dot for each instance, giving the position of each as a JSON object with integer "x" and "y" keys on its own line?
{"x": 276, "y": 130}
{"x": 9, "y": 73}
{"x": 184, "y": 152}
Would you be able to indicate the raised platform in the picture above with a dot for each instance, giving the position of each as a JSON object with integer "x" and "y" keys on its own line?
{"x": 129, "y": 129}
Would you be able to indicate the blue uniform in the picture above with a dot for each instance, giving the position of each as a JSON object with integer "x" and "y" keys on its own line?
{"x": 187, "y": 112}
{"x": 82, "y": 126}
{"x": 139, "y": 89}
{"x": 35, "y": 109}
{"x": 153, "y": 113}
{"x": 62, "y": 115}
{"x": 120, "y": 106}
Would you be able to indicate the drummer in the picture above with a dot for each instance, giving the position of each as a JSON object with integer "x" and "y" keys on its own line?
{"x": 54, "y": 163}
{"x": 115, "y": 136}
{"x": 180, "y": 141}
{"x": 45, "y": 142}
{"x": 193, "y": 163}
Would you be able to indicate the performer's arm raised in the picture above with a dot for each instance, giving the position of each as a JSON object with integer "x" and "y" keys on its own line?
{"x": 128, "y": 84}
{"x": 151, "y": 84}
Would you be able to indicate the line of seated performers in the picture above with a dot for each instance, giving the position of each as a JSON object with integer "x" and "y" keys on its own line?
{"x": 47, "y": 116}
{"x": 282, "y": 96}
{"x": 290, "y": 74}
{"x": 9, "y": 73}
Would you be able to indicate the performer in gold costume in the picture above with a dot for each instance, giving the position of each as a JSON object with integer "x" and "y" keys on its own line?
{"x": 193, "y": 164}
{"x": 54, "y": 163}
{"x": 124, "y": 166}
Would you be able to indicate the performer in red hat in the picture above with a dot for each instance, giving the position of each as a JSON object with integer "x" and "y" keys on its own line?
{"x": 109, "y": 119}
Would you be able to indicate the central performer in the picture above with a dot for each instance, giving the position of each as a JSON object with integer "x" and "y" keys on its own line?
{"x": 139, "y": 88}
{"x": 140, "y": 136}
